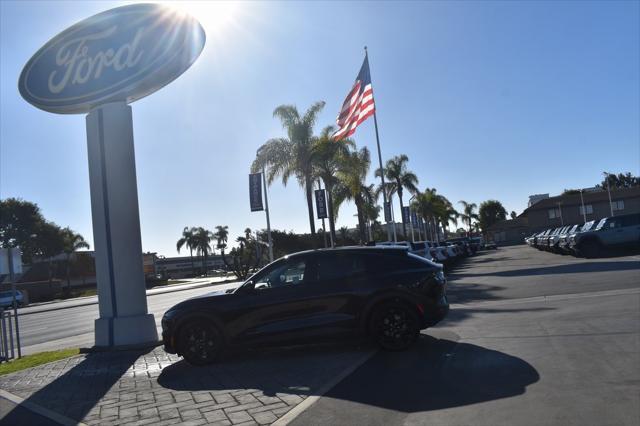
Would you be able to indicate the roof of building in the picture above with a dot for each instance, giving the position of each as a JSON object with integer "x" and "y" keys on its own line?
{"x": 589, "y": 197}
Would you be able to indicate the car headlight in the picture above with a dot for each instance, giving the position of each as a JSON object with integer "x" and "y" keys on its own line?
{"x": 440, "y": 277}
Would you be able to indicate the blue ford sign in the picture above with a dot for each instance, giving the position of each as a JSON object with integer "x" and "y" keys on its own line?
{"x": 122, "y": 54}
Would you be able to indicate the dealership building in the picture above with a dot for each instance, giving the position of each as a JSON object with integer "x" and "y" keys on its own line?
{"x": 567, "y": 209}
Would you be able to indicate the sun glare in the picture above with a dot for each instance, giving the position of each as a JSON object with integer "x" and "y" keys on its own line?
{"x": 214, "y": 16}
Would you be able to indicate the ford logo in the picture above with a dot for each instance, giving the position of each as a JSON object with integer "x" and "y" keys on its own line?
{"x": 122, "y": 54}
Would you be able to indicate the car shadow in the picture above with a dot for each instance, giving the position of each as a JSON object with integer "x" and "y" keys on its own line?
{"x": 75, "y": 392}
{"x": 459, "y": 315}
{"x": 573, "y": 268}
{"x": 435, "y": 373}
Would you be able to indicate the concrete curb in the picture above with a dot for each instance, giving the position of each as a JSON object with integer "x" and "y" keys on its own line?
{"x": 44, "y": 412}
{"x": 310, "y": 400}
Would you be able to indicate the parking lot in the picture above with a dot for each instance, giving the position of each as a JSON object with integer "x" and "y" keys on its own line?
{"x": 533, "y": 338}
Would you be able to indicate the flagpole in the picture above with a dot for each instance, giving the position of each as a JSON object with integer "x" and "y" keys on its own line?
{"x": 384, "y": 187}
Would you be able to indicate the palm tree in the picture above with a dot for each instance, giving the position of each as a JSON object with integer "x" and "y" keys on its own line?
{"x": 188, "y": 239}
{"x": 71, "y": 242}
{"x": 222, "y": 236}
{"x": 326, "y": 155}
{"x": 344, "y": 233}
{"x": 396, "y": 173}
{"x": 292, "y": 155}
{"x": 353, "y": 171}
{"x": 468, "y": 213}
{"x": 203, "y": 239}
{"x": 427, "y": 205}
{"x": 448, "y": 214}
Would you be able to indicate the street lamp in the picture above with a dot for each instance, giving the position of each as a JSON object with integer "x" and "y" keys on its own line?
{"x": 584, "y": 212}
{"x": 609, "y": 191}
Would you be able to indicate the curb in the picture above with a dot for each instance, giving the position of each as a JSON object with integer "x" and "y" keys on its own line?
{"x": 44, "y": 412}
{"x": 310, "y": 400}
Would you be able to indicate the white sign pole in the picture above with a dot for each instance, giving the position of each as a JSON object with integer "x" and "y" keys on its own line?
{"x": 124, "y": 319}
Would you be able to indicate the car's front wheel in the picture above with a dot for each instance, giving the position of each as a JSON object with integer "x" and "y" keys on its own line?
{"x": 200, "y": 342}
{"x": 394, "y": 326}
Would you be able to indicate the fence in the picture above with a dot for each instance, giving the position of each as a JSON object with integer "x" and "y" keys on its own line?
{"x": 8, "y": 330}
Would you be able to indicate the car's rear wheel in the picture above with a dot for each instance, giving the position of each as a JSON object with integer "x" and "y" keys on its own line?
{"x": 394, "y": 326}
{"x": 200, "y": 342}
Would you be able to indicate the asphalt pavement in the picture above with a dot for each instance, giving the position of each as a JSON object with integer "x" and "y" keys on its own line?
{"x": 70, "y": 323}
{"x": 533, "y": 338}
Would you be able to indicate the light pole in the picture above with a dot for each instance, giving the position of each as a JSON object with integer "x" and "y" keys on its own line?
{"x": 584, "y": 212}
{"x": 609, "y": 191}
{"x": 560, "y": 210}
{"x": 413, "y": 238}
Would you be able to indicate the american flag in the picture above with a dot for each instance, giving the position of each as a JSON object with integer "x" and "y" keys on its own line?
{"x": 358, "y": 106}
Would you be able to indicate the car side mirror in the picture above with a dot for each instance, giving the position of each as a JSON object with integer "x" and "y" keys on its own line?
{"x": 248, "y": 287}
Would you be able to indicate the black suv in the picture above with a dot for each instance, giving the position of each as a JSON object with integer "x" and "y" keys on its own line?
{"x": 385, "y": 293}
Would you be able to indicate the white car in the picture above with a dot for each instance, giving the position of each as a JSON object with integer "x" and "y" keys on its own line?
{"x": 6, "y": 299}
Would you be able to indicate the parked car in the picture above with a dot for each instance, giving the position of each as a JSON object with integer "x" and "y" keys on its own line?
{"x": 552, "y": 242}
{"x": 563, "y": 241}
{"x": 6, "y": 299}
{"x": 610, "y": 233}
{"x": 385, "y": 293}
{"x": 490, "y": 245}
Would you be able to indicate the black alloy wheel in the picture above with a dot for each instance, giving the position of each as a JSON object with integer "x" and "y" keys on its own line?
{"x": 395, "y": 327}
{"x": 200, "y": 342}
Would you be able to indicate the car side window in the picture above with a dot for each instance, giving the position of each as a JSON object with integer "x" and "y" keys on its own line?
{"x": 339, "y": 266}
{"x": 289, "y": 273}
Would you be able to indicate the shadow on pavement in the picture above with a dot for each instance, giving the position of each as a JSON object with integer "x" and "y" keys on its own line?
{"x": 434, "y": 374}
{"x": 456, "y": 316}
{"x": 582, "y": 267}
{"x": 77, "y": 391}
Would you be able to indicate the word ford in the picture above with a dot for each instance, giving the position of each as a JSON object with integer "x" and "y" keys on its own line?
{"x": 80, "y": 67}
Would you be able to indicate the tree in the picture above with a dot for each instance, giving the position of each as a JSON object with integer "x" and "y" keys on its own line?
{"x": 513, "y": 215}
{"x": 621, "y": 180}
{"x": 203, "y": 239}
{"x": 429, "y": 206}
{"x": 71, "y": 242}
{"x": 189, "y": 240}
{"x": 490, "y": 212}
{"x": 396, "y": 172}
{"x": 352, "y": 174}
{"x": 222, "y": 235}
{"x": 326, "y": 155}
{"x": 468, "y": 213}
{"x": 50, "y": 242}
{"x": 292, "y": 155}
{"x": 447, "y": 214}
{"x": 19, "y": 224}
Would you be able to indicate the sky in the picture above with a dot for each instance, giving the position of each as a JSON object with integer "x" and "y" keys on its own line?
{"x": 489, "y": 100}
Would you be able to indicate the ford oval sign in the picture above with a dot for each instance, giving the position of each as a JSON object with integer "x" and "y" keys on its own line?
{"x": 122, "y": 54}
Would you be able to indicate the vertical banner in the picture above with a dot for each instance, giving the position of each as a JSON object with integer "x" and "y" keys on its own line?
{"x": 255, "y": 191}
{"x": 321, "y": 203}
{"x": 387, "y": 212}
{"x": 405, "y": 214}
{"x": 414, "y": 218}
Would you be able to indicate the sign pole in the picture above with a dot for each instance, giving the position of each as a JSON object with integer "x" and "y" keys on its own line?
{"x": 266, "y": 210}
{"x": 122, "y": 298}
{"x": 324, "y": 230}
{"x": 584, "y": 212}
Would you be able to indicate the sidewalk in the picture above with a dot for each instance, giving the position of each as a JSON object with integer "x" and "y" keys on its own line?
{"x": 153, "y": 387}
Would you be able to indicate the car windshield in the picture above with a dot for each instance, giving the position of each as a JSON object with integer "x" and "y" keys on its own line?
{"x": 601, "y": 224}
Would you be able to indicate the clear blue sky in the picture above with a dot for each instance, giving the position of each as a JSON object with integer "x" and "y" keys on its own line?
{"x": 488, "y": 99}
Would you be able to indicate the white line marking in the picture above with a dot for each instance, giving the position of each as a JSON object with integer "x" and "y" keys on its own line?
{"x": 310, "y": 400}
{"x": 44, "y": 412}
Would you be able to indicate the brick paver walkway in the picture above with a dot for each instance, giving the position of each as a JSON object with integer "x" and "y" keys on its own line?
{"x": 153, "y": 387}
